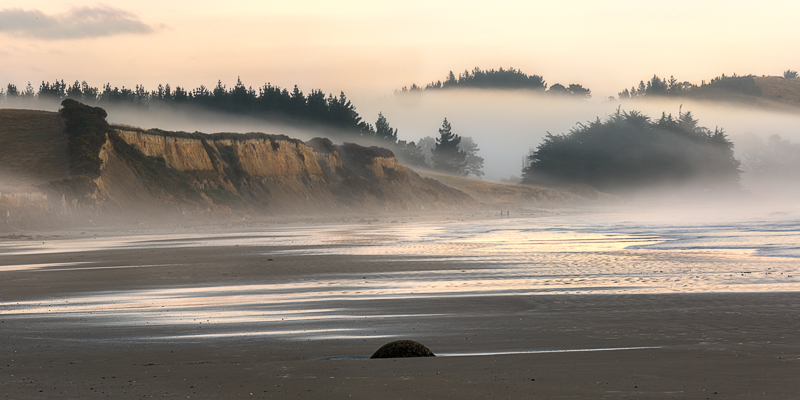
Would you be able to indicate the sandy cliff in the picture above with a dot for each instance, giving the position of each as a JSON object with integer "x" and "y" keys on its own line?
{"x": 251, "y": 173}
{"x": 148, "y": 174}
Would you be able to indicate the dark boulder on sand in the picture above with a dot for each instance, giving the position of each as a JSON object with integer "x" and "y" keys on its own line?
{"x": 403, "y": 348}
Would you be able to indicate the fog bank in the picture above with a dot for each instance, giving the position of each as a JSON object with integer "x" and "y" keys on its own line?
{"x": 507, "y": 124}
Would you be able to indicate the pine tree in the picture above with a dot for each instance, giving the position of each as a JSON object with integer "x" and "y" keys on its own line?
{"x": 474, "y": 161}
{"x": 446, "y": 155}
{"x": 427, "y": 144}
{"x": 383, "y": 130}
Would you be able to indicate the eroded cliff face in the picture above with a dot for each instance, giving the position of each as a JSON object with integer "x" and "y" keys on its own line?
{"x": 123, "y": 174}
{"x": 180, "y": 154}
{"x": 271, "y": 174}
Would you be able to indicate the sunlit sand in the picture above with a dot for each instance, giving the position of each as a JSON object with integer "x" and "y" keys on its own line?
{"x": 477, "y": 259}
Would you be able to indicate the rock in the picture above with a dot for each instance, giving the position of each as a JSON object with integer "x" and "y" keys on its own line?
{"x": 403, "y": 348}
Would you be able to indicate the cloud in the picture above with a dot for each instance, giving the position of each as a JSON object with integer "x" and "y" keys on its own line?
{"x": 77, "y": 23}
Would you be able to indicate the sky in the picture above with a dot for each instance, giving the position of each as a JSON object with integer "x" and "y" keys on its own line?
{"x": 368, "y": 49}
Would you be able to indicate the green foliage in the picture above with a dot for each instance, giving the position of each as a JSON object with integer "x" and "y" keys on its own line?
{"x": 55, "y": 90}
{"x": 719, "y": 86}
{"x": 574, "y": 90}
{"x": 427, "y": 144}
{"x": 474, "y": 162}
{"x": 734, "y": 84}
{"x": 777, "y": 158}
{"x": 789, "y": 74}
{"x": 267, "y": 102}
{"x": 487, "y": 79}
{"x": 629, "y": 151}
{"x": 503, "y": 79}
{"x": 446, "y": 155}
{"x": 410, "y": 154}
{"x": 383, "y": 130}
{"x": 86, "y": 129}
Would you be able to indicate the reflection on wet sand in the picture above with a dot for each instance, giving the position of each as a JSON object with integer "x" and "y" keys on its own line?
{"x": 492, "y": 258}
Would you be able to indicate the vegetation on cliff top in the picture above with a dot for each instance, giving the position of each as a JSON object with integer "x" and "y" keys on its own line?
{"x": 266, "y": 102}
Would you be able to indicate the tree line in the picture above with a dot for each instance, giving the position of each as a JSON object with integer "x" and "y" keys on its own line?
{"x": 776, "y": 160}
{"x": 448, "y": 152}
{"x": 738, "y": 84}
{"x": 504, "y": 79}
{"x": 267, "y": 102}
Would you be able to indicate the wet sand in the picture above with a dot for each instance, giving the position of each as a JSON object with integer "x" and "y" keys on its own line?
{"x": 289, "y": 317}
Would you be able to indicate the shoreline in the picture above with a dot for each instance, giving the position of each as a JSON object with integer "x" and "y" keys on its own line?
{"x": 703, "y": 344}
{"x": 223, "y": 315}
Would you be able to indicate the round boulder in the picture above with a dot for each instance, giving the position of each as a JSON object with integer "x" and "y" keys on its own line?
{"x": 403, "y": 348}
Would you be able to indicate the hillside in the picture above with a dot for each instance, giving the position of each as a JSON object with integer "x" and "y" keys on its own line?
{"x": 503, "y": 196}
{"x": 772, "y": 92}
{"x": 31, "y": 138}
{"x": 779, "y": 89}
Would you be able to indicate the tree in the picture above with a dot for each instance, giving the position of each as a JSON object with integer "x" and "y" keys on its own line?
{"x": 579, "y": 91}
{"x": 410, "y": 154}
{"x": 474, "y": 162}
{"x": 268, "y": 102}
{"x": 383, "y": 130}
{"x": 642, "y": 89}
{"x": 789, "y": 74}
{"x": 56, "y": 90}
{"x": 451, "y": 80}
{"x": 427, "y": 144}
{"x": 12, "y": 90}
{"x": 446, "y": 154}
{"x": 558, "y": 90}
{"x": 574, "y": 90}
{"x": 488, "y": 79}
{"x": 629, "y": 151}
{"x": 656, "y": 86}
{"x": 29, "y": 92}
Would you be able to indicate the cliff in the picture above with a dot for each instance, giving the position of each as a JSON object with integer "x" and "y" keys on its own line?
{"x": 91, "y": 171}
{"x": 270, "y": 173}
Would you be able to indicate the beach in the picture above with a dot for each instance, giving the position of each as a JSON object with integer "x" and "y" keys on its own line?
{"x": 548, "y": 306}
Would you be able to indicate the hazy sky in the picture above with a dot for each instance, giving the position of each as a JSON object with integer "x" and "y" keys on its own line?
{"x": 370, "y": 48}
